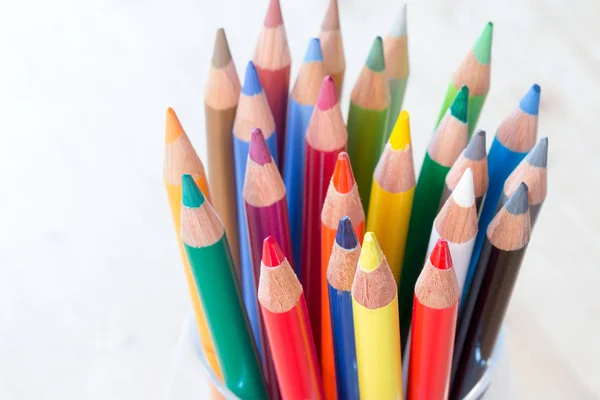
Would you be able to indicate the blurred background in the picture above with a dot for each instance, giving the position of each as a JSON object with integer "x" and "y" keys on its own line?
{"x": 92, "y": 291}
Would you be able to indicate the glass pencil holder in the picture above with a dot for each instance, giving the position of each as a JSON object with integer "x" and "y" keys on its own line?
{"x": 192, "y": 378}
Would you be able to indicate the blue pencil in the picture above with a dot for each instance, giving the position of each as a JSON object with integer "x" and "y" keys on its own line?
{"x": 302, "y": 102}
{"x": 253, "y": 112}
{"x": 340, "y": 275}
{"x": 515, "y": 136}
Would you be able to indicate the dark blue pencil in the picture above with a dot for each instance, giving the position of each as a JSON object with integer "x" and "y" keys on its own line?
{"x": 340, "y": 275}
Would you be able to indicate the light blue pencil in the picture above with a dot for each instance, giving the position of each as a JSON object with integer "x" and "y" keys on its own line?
{"x": 302, "y": 103}
{"x": 253, "y": 112}
{"x": 515, "y": 136}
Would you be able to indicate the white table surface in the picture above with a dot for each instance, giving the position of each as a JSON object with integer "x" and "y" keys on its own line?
{"x": 92, "y": 294}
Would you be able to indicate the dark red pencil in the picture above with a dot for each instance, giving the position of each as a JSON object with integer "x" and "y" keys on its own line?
{"x": 326, "y": 137}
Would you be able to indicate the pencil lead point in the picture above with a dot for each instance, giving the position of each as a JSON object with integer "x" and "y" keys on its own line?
{"x": 530, "y": 103}
{"x": 327, "y": 94}
{"x": 221, "y": 54}
{"x": 345, "y": 236}
{"x": 519, "y": 201}
{"x": 173, "y": 127}
{"x": 343, "y": 177}
{"x": 273, "y": 18}
{"x": 398, "y": 28}
{"x": 252, "y": 85}
{"x": 258, "y": 152}
{"x": 272, "y": 255}
{"x": 400, "y": 136}
{"x": 440, "y": 257}
{"x": 332, "y": 17}
{"x": 538, "y": 156}
{"x": 191, "y": 195}
{"x": 464, "y": 192}
{"x": 375, "y": 60}
{"x": 460, "y": 105}
{"x": 476, "y": 148}
{"x": 482, "y": 49}
{"x": 371, "y": 254}
{"x": 313, "y": 52}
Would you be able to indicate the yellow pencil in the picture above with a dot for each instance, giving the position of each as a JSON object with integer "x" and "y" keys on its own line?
{"x": 181, "y": 158}
{"x": 392, "y": 195}
{"x": 376, "y": 325}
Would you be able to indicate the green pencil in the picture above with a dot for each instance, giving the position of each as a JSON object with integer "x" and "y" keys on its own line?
{"x": 474, "y": 72}
{"x": 448, "y": 141}
{"x": 203, "y": 237}
{"x": 367, "y": 120}
{"x": 395, "y": 46}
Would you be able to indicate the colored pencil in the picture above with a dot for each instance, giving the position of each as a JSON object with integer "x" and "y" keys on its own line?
{"x": 457, "y": 224}
{"x": 340, "y": 275}
{"x": 395, "y": 47}
{"x": 203, "y": 237}
{"x": 181, "y": 158}
{"x": 447, "y": 143}
{"x": 473, "y": 157}
{"x": 288, "y": 327}
{"x": 392, "y": 195}
{"x": 332, "y": 46}
{"x": 481, "y": 319}
{"x": 474, "y": 72}
{"x": 253, "y": 112}
{"x": 367, "y": 119}
{"x": 326, "y": 137}
{"x": 302, "y": 103}
{"x": 433, "y": 326}
{"x": 267, "y": 215}
{"x": 273, "y": 61}
{"x": 375, "y": 311}
{"x": 533, "y": 172}
{"x": 516, "y": 135}
{"x": 342, "y": 200}
{"x": 221, "y": 98}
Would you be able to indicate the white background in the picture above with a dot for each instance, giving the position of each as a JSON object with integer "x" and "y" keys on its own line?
{"x": 92, "y": 293}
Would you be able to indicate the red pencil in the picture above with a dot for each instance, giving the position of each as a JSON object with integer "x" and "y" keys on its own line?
{"x": 434, "y": 315}
{"x": 288, "y": 327}
{"x": 272, "y": 60}
{"x": 326, "y": 137}
{"x": 267, "y": 215}
{"x": 342, "y": 200}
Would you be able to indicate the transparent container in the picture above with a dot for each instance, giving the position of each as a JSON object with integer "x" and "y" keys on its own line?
{"x": 193, "y": 379}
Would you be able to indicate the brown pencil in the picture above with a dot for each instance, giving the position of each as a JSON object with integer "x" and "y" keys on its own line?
{"x": 475, "y": 158}
{"x": 220, "y": 103}
{"x": 333, "y": 47}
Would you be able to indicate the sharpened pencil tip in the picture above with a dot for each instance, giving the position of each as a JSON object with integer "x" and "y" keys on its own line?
{"x": 273, "y": 17}
{"x": 530, "y": 103}
{"x": 464, "y": 192}
{"x": 191, "y": 195}
{"x": 375, "y": 60}
{"x": 440, "y": 256}
{"x": 538, "y": 156}
{"x": 221, "y": 53}
{"x": 476, "y": 148}
{"x": 345, "y": 236}
{"x": 272, "y": 255}
{"x": 398, "y": 28}
{"x": 483, "y": 46}
{"x": 331, "y": 21}
{"x": 400, "y": 136}
{"x": 327, "y": 94}
{"x": 519, "y": 201}
{"x": 460, "y": 105}
{"x": 252, "y": 85}
{"x": 343, "y": 177}
{"x": 371, "y": 254}
{"x": 313, "y": 52}
{"x": 173, "y": 127}
{"x": 258, "y": 152}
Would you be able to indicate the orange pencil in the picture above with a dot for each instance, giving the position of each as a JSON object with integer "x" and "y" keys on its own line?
{"x": 342, "y": 200}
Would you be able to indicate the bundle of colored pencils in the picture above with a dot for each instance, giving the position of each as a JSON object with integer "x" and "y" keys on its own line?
{"x": 315, "y": 257}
